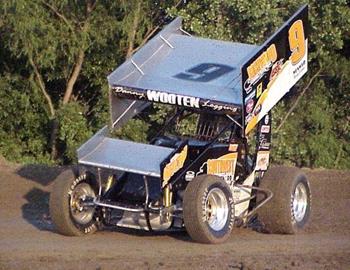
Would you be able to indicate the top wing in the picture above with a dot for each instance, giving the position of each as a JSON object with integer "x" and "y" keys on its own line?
{"x": 179, "y": 69}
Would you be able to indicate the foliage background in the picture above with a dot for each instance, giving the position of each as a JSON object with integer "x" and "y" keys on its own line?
{"x": 55, "y": 56}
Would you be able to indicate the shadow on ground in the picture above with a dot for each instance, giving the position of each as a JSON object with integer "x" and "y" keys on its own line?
{"x": 180, "y": 235}
{"x": 36, "y": 209}
{"x": 41, "y": 174}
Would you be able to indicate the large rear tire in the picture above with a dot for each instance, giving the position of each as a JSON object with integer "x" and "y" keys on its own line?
{"x": 68, "y": 212}
{"x": 208, "y": 209}
{"x": 290, "y": 207}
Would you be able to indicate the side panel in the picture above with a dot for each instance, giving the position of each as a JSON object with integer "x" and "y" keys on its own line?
{"x": 122, "y": 110}
{"x": 263, "y": 139}
{"x": 275, "y": 68}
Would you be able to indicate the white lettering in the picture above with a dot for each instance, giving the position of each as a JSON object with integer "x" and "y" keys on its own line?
{"x": 173, "y": 99}
{"x": 180, "y": 100}
{"x": 163, "y": 98}
{"x": 153, "y": 95}
{"x": 187, "y": 101}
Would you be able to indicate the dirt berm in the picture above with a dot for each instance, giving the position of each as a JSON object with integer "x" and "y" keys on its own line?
{"x": 28, "y": 240}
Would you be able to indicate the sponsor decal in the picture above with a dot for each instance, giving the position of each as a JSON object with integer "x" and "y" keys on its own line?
{"x": 233, "y": 147}
{"x": 262, "y": 137}
{"x": 190, "y": 175}
{"x": 90, "y": 228}
{"x": 250, "y": 96}
{"x": 257, "y": 109}
{"x": 267, "y": 119}
{"x": 265, "y": 129}
{"x": 218, "y": 107}
{"x": 248, "y": 118}
{"x": 127, "y": 91}
{"x": 260, "y": 66}
{"x": 262, "y": 160}
{"x": 81, "y": 178}
{"x": 259, "y": 89}
{"x": 180, "y": 100}
{"x": 243, "y": 194}
{"x": 264, "y": 145}
{"x": 276, "y": 68}
{"x": 299, "y": 69}
{"x": 236, "y": 192}
{"x": 174, "y": 99}
{"x": 175, "y": 164}
{"x": 250, "y": 105}
{"x": 223, "y": 166}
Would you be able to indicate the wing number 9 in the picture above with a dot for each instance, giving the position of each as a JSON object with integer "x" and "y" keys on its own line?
{"x": 297, "y": 41}
{"x": 204, "y": 72}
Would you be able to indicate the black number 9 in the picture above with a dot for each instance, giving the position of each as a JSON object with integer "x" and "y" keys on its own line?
{"x": 204, "y": 72}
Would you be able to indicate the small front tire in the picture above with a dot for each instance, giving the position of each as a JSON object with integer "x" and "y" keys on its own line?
{"x": 69, "y": 210}
{"x": 208, "y": 209}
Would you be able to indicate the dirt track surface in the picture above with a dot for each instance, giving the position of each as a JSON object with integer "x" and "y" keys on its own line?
{"x": 28, "y": 239}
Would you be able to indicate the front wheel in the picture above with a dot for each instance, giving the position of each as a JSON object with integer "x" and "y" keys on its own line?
{"x": 208, "y": 209}
{"x": 71, "y": 204}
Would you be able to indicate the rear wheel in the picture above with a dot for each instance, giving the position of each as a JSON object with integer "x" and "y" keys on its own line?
{"x": 71, "y": 204}
{"x": 290, "y": 207}
{"x": 208, "y": 209}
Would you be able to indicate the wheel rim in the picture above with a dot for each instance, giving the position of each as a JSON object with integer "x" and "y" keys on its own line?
{"x": 81, "y": 213}
{"x": 216, "y": 209}
{"x": 300, "y": 202}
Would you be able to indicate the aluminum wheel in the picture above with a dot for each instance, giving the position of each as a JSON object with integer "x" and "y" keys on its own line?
{"x": 216, "y": 209}
{"x": 82, "y": 213}
{"x": 300, "y": 202}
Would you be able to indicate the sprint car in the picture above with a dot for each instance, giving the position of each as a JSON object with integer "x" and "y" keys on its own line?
{"x": 212, "y": 179}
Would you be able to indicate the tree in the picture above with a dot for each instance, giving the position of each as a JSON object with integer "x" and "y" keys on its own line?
{"x": 66, "y": 49}
{"x": 53, "y": 39}
{"x": 55, "y": 56}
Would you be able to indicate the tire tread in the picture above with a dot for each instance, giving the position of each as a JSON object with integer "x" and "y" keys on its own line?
{"x": 276, "y": 215}
{"x": 59, "y": 205}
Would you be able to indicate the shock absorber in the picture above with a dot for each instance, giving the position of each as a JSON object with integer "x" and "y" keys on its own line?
{"x": 167, "y": 197}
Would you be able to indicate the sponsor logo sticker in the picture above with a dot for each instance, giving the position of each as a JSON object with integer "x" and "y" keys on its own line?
{"x": 164, "y": 97}
{"x": 259, "y": 90}
{"x": 223, "y": 166}
{"x": 175, "y": 164}
{"x": 250, "y": 105}
{"x": 121, "y": 90}
{"x": 260, "y": 66}
{"x": 265, "y": 129}
{"x": 233, "y": 147}
{"x": 248, "y": 118}
{"x": 267, "y": 119}
{"x": 262, "y": 160}
{"x": 299, "y": 69}
{"x": 257, "y": 109}
{"x": 276, "y": 68}
{"x": 249, "y": 97}
{"x": 265, "y": 145}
